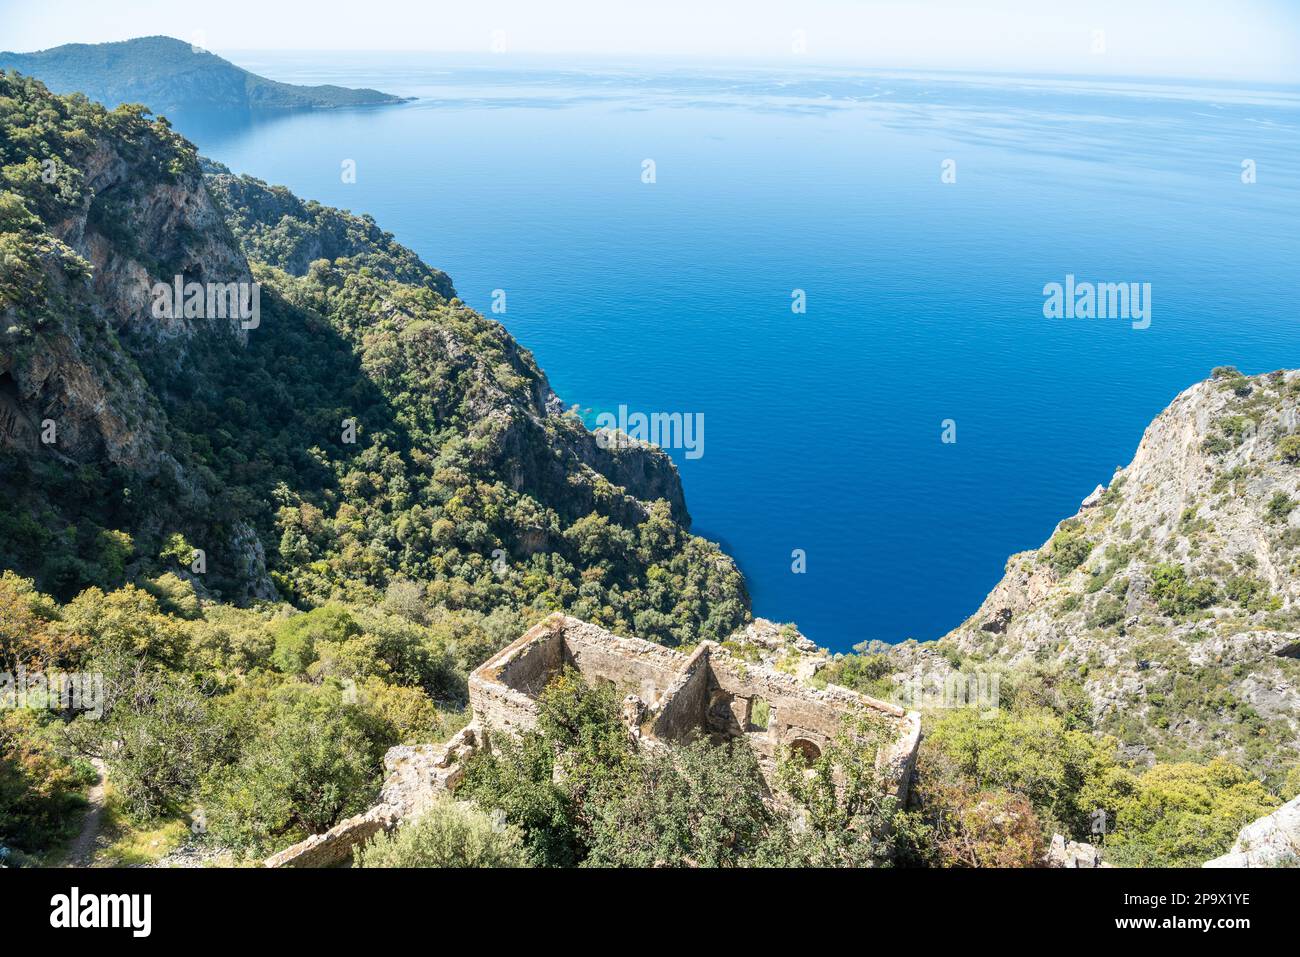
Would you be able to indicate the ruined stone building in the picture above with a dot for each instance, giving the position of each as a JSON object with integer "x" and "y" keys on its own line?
{"x": 669, "y": 698}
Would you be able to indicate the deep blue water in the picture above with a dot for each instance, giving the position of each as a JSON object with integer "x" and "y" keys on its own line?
{"x": 924, "y": 298}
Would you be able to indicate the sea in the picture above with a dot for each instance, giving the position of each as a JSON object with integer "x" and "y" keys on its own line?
{"x": 839, "y": 277}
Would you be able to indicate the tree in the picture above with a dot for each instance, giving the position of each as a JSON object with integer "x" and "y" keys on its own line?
{"x": 1182, "y": 815}
{"x": 40, "y": 790}
{"x": 314, "y": 762}
{"x": 517, "y": 778}
{"x": 697, "y": 805}
{"x": 158, "y": 737}
{"x": 296, "y": 637}
{"x": 29, "y": 631}
{"x": 1064, "y": 774}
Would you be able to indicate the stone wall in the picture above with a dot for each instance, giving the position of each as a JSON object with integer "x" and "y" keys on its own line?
{"x": 336, "y": 845}
{"x": 681, "y": 711}
{"x": 670, "y": 698}
{"x": 631, "y": 664}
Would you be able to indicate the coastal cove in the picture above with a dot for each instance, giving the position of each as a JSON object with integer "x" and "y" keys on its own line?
{"x": 924, "y": 298}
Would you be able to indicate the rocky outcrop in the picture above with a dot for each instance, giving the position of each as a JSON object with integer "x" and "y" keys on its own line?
{"x": 1271, "y": 841}
{"x": 1076, "y": 854}
{"x": 132, "y": 226}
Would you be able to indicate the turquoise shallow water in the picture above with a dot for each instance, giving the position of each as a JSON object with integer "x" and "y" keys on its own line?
{"x": 924, "y": 299}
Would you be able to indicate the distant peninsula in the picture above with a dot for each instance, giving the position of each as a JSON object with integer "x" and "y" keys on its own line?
{"x": 171, "y": 77}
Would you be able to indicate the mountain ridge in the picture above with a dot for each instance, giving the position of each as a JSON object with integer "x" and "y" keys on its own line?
{"x": 175, "y": 78}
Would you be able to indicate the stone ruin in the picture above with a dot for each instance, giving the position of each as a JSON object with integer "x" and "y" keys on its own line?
{"x": 669, "y": 698}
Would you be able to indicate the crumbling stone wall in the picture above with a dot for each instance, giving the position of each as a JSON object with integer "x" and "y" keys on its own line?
{"x": 673, "y": 697}
{"x": 670, "y": 698}
{"x": 682, "y": 708}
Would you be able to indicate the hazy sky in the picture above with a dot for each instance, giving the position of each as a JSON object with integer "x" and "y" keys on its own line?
{"x": 1234, "y": 39}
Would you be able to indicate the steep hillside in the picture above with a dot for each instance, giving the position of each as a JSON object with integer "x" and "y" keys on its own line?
{"x": 172, "y": 76}
{"x": 281, "y": 230}
{"x": 365, "y": 430}
{"x": 1174, "y": 593}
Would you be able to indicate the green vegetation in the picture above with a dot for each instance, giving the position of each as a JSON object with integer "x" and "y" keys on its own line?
{"x": 1279, "y": 507}
{"x": 1181, "y": 815}
{"x": 1176, "y": 594}
{"x": 448, "y": 834}
{"x": 582, "y": 793}
{"x": 279, "y": 604}
{"x": 384, "y": 492}
{"x": 991, "y": 792}
{"x": 1069, "y": 548}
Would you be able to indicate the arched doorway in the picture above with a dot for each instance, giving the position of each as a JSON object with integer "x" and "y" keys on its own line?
{"x": 806, "y": 749}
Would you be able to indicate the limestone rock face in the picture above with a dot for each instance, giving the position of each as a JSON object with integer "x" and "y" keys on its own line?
{"x": 1271, "y": 841}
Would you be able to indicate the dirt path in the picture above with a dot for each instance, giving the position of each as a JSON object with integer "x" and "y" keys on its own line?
{"x": 82, "y": 851}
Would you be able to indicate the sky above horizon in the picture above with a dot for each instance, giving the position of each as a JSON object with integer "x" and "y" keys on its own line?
{"x": 1244, "y": 40}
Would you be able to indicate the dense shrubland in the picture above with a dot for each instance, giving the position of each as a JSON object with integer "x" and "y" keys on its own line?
{"x": 993, "y": 785}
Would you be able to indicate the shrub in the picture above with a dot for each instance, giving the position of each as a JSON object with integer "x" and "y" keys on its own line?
{"x": 1181, "y": 815}
{"x": 1063, "y": 773}
{"x": 518, "y": 778}
{"x": 1177, "y": 596}
{"x": 40, "y": 790}
{"x": 1289, "y": 449}
{"x": 158, "y": 738}
{"x": 1108, "y": 611}
{"x": 449, "y": 834}
{"x": 698, "y": 805}
{"x": 311, "y": 763}
{"x": 1279, "y": 507}
{"x": 296, "y": 637}
{"x": 1068, "y": 549}
{"x": 843, "y": 798}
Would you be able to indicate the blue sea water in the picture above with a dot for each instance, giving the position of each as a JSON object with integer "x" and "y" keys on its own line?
{"x": 924, "y": 299}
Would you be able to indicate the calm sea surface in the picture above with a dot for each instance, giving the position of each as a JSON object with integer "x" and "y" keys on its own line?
{"x": 924, "y": 298}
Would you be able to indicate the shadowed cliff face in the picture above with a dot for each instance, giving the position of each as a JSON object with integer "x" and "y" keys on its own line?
{"x": 365, "y": 427}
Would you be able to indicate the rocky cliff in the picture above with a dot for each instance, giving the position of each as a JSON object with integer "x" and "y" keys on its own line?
{"x": 1173, "y": 591}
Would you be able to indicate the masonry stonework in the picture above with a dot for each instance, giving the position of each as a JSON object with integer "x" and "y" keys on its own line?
{"x": 669, "y": 698}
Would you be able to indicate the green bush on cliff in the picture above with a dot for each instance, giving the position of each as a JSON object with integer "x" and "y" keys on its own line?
{"x": 1065, "y": 774}
{"x": 1069, "y": 548}
{"x": 1181, "y": 815}
{"x": 1176, "y": 594}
